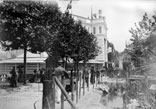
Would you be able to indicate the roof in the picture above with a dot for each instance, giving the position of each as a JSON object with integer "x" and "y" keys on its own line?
{"x": 21, "y": 60}
{"x": 31, "y": 58}
{"x": 33, "y": 55}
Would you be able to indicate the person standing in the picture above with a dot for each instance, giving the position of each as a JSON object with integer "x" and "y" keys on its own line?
{"x": 13, "y": 78}
{"x": 92, "y": 77}
{"x": 20, "y": 74}
{"x": 42, "y": 71}
{"x": 86, "y": 76}
{"x": 59, "y": 72}
{"x": 97, "y": 76}
{"x": 35, "y": 76}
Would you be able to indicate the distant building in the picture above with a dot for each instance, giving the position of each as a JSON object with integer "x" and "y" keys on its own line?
{"x": 98, "y": 27}
{"x": 124, "y": 57}
{"x": 34, "y": 62}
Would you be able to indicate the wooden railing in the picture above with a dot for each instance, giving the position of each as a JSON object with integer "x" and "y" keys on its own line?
{"x": 49, "y": 92}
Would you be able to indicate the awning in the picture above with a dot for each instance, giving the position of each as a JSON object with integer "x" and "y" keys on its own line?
{"x": 21, "y": 60}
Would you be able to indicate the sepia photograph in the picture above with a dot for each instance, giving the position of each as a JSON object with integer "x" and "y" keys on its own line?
{"x": 77, "y": 54}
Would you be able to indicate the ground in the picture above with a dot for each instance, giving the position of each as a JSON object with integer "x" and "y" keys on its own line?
{"x": 24, "y": 97}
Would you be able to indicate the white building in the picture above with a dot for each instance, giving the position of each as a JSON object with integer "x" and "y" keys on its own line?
{"x": 98, "y": 27}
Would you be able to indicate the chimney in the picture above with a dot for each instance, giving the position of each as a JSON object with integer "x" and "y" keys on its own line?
{"x": 100, "y": 13}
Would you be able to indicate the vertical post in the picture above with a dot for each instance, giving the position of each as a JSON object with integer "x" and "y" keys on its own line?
{"x": 72, "y": 86}
{"x": 88, "y": 79}
{"x": 48, "y": 94}
{"x": 77, "y": 77}
{"x": 80, "y": 86}
{"x": 83, "y": 83}
{"x": 62, "y": 96}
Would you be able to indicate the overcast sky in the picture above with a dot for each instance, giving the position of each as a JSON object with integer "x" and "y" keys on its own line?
{"x": 120, "y": 15}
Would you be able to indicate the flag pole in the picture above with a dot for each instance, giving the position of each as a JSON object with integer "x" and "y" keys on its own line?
{"x": 91, "y": 18}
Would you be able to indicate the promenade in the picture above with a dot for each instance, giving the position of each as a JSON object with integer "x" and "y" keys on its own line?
{"x": 24, "y": 97}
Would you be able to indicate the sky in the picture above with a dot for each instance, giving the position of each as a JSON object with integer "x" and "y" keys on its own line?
{"x": 120, "y": 15}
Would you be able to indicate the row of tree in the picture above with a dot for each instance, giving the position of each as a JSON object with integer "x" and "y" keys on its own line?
{"x": 39, "y": 26}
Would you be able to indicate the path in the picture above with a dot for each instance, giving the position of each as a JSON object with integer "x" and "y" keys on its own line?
{"x": 24, "y": 97}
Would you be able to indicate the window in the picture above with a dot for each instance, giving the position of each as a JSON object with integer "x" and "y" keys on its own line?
{"x": 100, "y": 29}
{"x": 94, "y": 30}
{"x": 88, "y": 28}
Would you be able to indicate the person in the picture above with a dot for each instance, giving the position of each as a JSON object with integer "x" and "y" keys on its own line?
{"x": 92, "y": 77}
{"x": 86, "y": 76}
{"x": 59, "y": 72}
{"x": 20, "y": 74}
{"x": 35, "y": 76}
{"x": 13, "y": 80}
{"x": 42, "y": 71}
{"x": 97, "y": 76}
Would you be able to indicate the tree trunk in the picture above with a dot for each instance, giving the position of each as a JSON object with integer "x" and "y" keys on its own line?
{"x": 25, "y": 64}
{"x": 48, "y": 101}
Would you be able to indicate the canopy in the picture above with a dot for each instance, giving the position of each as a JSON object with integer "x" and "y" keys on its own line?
{"x": 21, "y": 60}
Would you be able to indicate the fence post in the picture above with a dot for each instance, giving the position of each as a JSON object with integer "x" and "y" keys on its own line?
{"x": 62, "y": 96}
{"x": 65, "y": 93}
{"x": 80, "y": 86}
{"x": 72, "y": 86}
{"x": 83, "y": 83}
{"x": 77, "y": 93}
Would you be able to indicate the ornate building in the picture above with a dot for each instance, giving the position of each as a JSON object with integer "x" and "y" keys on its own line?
{"x": 98, "y": 27}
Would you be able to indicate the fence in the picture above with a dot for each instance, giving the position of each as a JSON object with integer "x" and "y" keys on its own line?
{"x": 49, "y": 91}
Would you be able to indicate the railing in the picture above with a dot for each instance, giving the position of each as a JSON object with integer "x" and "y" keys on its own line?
{"x": 49, "y": 92}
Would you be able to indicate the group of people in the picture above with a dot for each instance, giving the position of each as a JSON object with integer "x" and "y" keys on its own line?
{"x": 18, "y": 76}
{"x": 38, "y": 75}
{"x": 94, "y": 76}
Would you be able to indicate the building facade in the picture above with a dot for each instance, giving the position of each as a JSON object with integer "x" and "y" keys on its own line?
{"x": 124, "y": 58}
{"x": 97, "y": 26}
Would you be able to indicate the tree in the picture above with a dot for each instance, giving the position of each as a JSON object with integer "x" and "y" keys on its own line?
{"x": 143, "y": 49}
{"x": 143, "y": 36}
{"x": 71, "y": 40}
{"x": 21, "y": 22}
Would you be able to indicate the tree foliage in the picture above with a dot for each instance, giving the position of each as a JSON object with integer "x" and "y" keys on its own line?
{"x": 26, "y": 25}
{"x": 39, "y": 27}
{"x": 143, "y": 40}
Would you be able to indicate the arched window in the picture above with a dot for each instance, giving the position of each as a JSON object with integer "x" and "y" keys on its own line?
{"x": 100, "y": 29}
{"x": 94, "y": 30}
